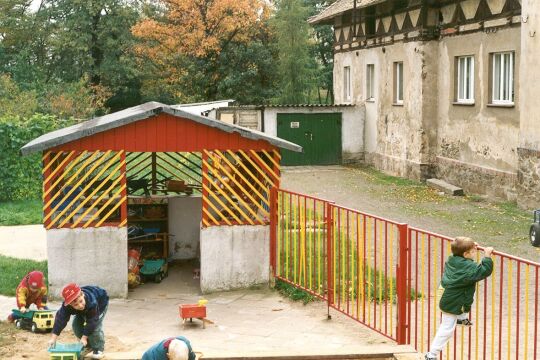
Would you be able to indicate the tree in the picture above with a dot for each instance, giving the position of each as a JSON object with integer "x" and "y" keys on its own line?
{"x": 323, "y": 51}
{"x": 296, "y": 66}
{"x": 92, "y": 39}
{"x": 187, "y": 42}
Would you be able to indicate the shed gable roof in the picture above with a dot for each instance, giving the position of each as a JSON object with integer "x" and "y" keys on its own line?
{"x": 137, "y": 113}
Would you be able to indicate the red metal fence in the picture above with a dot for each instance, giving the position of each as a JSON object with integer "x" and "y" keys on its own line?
{"x": 385, "y": 275}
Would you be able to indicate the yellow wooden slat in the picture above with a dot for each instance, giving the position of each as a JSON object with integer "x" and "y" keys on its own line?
{"x": 96, "y": 202}
{"x": 205, "y": 222}
{"x": 45, "y": 155}
{"x": 265, "y": 165}
{"x": 278, "y": 155}
{"x": 94, "y": 166}
{"x": 218, "y": 211}
{"x": 205, "y": 210}
{"x": 123, "y": 223}
{"x": 51, "y": 161}
{"x": 239, "y": 197}
{"x": 239, "y": 173}
{"x": 104, "y": 206}
{"x": 55, "y": 171}
{"x": 68, "y": 183}
{"x": 116, "y": 206}
{"x": 271, "y": 158}
{"x": 220, "y": 203}
{"x": 248, "y": 171}
{"x": 111, "y": 162}
{"x": 257, "y": 167}
{"x": 101, "y": 184}
{"x": 226, "y": 196}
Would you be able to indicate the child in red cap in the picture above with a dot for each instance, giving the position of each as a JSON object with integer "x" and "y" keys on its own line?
{"x": 89, "y": 305}
{"x": 31, "y": 290}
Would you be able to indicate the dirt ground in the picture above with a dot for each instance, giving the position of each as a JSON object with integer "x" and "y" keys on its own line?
{"x": 23, "y": 344}
{"x": 490, "y": 223}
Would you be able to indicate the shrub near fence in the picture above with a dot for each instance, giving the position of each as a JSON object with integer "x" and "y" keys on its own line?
{"x": 20, "y": 177}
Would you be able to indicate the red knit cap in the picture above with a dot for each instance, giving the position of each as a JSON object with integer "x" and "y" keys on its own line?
{"x": 35, "y": 279}
{"x": 70, "y": 292}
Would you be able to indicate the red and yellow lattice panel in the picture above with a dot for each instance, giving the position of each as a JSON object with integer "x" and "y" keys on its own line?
{"x": 236, "y": 186}
{"x": 84, "y": 189}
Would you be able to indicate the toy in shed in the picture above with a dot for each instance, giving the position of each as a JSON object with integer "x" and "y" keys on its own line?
{"x": 156, "y": 270}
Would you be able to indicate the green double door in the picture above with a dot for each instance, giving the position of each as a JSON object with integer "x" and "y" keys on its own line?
{"x": 319, "y": 135}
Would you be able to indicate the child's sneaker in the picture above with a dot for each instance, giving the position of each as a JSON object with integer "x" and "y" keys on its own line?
{"x": 464, "y": 322}
{"x": 429, "y": 358}
{"x": 96, "y": 354}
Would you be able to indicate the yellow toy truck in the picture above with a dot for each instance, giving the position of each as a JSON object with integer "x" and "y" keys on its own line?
{"x": 35, "y": 320}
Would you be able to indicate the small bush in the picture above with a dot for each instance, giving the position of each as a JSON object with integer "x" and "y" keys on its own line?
{"x": 294, "y": 293}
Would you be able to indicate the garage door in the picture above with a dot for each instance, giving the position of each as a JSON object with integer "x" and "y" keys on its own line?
{"x": 319, "y": 135}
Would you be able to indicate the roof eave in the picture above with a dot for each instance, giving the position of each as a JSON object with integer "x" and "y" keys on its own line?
{"x": 36, "y": 146}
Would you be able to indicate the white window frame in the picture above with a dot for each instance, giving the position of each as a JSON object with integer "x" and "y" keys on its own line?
{"x": 347, "y": 84}
{"x": 502, "y": 81}
{"x": 370, "y": 82}
{"x": 398, "y": 82}
{"x": 465, "y": 79}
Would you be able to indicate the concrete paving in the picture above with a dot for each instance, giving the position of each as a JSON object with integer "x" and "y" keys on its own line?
{"x": 24, "y": 242}
{"x": 256, "y": 322}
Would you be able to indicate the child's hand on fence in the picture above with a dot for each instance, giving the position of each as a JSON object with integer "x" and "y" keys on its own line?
{"x": 488, "y": 251}
{"x": 23, "y": 310}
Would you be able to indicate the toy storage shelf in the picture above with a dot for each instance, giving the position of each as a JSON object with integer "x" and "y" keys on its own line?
{"x": 149, "y": 216}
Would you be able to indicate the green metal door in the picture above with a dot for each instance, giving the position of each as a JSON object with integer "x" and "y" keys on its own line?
{"x": 319, "y": 134}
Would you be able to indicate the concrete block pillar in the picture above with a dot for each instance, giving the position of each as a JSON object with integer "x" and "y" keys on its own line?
{"x": 94, "y": 256}
{"x": 234, "y": 257}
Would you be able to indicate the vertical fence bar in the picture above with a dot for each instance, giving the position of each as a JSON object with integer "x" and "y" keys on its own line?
{"x": 273, "y": 229}
{"x": 329, "y": 256}
{"x": 401, "y": 279}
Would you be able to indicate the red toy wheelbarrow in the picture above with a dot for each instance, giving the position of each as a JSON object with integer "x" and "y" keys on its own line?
{"x": 191, "y": 311}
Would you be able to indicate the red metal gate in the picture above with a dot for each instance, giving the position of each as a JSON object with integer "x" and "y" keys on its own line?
{"x": 385, "y": 274}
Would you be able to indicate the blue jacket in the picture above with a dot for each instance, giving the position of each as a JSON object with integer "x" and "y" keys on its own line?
{"x": 96, "y": 302}
{"x": 159, "y": 350}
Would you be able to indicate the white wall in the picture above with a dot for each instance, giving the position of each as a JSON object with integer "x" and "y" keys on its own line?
{"x": 94, "y": 256}
{"x": 185, "y": 213}
{"x": 234, "y": 257}
{"x": 352, "y": 126}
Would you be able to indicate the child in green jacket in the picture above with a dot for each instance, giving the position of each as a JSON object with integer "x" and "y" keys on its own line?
{"x": 461, "y": 273}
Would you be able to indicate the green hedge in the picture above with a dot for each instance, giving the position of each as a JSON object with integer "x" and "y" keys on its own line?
{"x": 20, "y": 177}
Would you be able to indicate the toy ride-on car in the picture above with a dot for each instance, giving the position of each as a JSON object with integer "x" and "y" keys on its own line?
{"x": 155, "y": 270}
{"x": 35, "y": 320}
{"x": 534, "y": 232}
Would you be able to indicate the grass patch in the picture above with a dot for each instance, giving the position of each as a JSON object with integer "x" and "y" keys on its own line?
{"x": 12, "y": 270}
{"x": 294, "y": 293}
{"x": 22, "y": 212}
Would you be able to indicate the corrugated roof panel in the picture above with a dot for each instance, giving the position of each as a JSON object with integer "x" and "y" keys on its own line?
{"x": 137, "y": 113}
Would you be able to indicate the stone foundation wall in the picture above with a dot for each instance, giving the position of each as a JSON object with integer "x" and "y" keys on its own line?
{"x": 528, "y": 175}
{"x": 476, "y": 179}
{"x": 400, "y": 167}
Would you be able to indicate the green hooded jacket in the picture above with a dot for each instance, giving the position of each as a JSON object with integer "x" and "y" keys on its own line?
{"x": 459, "y": 282}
